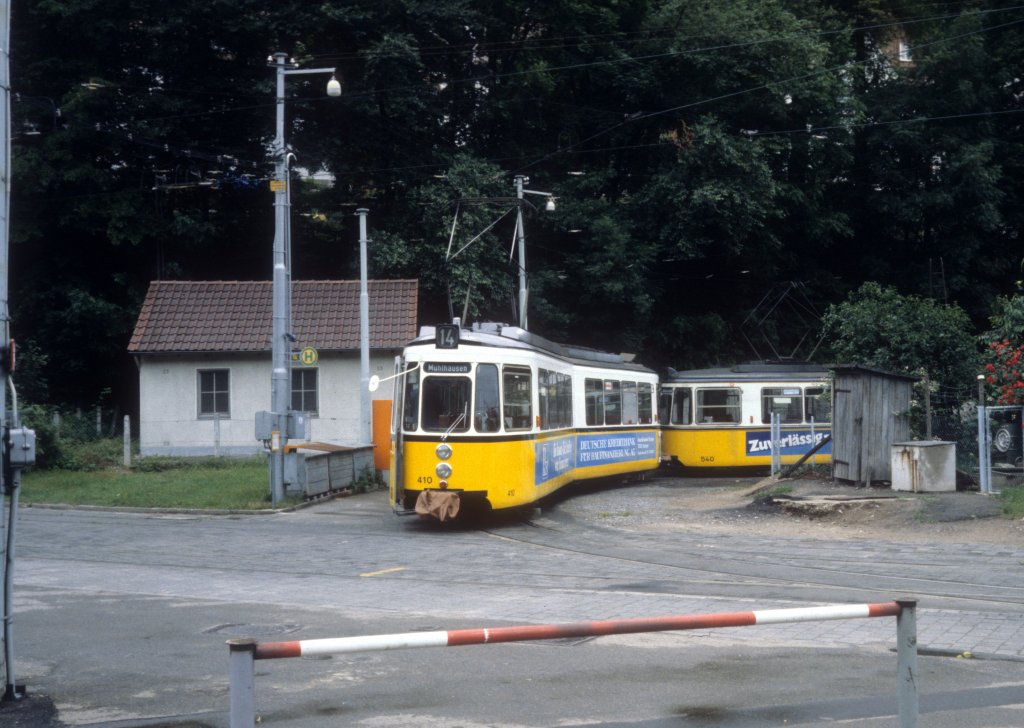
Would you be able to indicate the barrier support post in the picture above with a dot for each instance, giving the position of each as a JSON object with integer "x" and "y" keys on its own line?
{"x": 241, "y": 688}
{"x": 906, "y": 662}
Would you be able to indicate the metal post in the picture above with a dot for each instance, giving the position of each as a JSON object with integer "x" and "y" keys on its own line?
{"x": 127, "y": 441}
{"x": 281, "y": 375}
{"x": 906, "y": 661}
{"x": 5, "y": 321}
{"x": 984, "y": 451}
{"x": 281, "y": 338}
{"x": 241, "y": 684}
{"x": 814, "y": 440}
{"x": 12, "y": 691}
{"x": 776, "y": 435}
{"x": 365, "y": 424}
{"x": 521, "y": 244}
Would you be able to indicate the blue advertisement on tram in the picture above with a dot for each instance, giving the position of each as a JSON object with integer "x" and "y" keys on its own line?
{"x": 794, "y": 442}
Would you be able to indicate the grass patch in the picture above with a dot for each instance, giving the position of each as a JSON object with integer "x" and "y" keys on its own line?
{"x": 228, "y": 484}
{"x": 1013, "y": 502}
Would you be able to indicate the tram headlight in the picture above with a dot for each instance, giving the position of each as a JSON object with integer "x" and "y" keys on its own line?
{"x": 443, "y": 451}
{"x": 443, "y": 470}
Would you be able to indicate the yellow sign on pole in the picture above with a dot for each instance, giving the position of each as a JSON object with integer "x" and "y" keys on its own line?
{"x": 278, "y": 185}
{"x": 309, "y": 356}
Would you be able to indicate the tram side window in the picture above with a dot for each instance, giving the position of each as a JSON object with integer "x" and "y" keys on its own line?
{"x": 612, "y": 402}
{"x": 718, "y": 405}
{"x": 555, "y": 398}
{"x": 594, "y": 391}
{"x": 682, "y": 410}
{"x": 645, "y": 403}
{"x": 487, "y": 411}
{"x": 446, "y": 403}
{"x": 411, "y": 401}
{"x": 517, "y": 388}
{"x": 787, "y": 402}
{"x": 818, "y": 404}
{"x": 664, "y": 405}
{"x": 630, "y": 413}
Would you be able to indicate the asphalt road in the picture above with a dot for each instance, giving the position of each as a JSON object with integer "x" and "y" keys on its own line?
{"x": 121, "y": 619}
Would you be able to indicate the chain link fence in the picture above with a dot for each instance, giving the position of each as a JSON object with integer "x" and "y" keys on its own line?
{"x": 76, "y": 439}
{"x": 954, "y": 418}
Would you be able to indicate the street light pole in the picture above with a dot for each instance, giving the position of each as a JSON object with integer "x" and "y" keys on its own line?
{"x": 281, "y": 337}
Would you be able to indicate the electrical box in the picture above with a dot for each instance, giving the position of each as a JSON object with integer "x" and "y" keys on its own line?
{"x": 264, "y": 425}
{"x": 298, "y": 427}
{"x": 22, "y": 443}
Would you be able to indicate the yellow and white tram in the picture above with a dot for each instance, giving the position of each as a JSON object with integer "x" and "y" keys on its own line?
{"x": 714, "y": 418}
{"x": 494, "y": 417}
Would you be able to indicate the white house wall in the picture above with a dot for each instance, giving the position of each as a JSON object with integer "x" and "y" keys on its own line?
{"x": 169, "y": 409}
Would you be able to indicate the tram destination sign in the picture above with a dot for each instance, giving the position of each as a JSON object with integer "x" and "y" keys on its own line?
{"x": 438, "y": 367}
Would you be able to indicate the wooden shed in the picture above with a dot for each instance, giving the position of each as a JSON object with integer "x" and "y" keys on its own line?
{"x": 870, "y": 412}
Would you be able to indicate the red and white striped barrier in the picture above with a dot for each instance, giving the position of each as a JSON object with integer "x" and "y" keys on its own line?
{"x": 245, "y": 652}
{"x": 494, "y": 635}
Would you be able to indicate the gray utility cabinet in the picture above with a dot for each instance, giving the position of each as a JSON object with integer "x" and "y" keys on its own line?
{"x": 870, "y": 412}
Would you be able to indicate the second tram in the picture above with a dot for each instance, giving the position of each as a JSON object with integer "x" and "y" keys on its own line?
{"x": 713, "y": 418}
{"x": 493, "y": 417}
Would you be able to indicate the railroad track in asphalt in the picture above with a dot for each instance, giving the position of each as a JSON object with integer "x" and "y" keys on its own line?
{"x": 984, "y": 578}
{"x": 598, "y": 558}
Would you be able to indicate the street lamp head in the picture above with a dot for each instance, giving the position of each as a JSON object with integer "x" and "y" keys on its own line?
{"x": 550, "y": 205}
{"x": 334, "y": 87}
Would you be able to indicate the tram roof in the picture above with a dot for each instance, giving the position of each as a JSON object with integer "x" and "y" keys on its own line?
{"x": 761, "y": 371}
{"x": 513, "y": 337}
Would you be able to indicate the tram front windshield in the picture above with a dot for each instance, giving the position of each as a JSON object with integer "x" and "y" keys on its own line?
{"x": 445, "y": 404}
{"x": 488, "y": 398}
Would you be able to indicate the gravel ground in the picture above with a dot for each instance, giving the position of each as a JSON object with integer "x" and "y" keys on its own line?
{"x": 799, "y": 507}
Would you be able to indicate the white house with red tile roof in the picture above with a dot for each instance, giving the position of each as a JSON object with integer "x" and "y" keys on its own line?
{"x": 203, "y": 350}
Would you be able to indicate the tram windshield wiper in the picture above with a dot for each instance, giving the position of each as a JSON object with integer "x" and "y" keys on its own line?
{"x": 458, "y": 421}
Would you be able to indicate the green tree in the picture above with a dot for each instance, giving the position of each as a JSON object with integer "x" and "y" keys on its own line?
{"x": 877, "y": 326}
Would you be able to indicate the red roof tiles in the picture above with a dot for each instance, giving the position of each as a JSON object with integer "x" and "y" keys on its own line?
{"x": 226, "y": 316}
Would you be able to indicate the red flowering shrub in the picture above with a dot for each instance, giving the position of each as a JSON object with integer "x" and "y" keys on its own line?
{"x": 1004, "y": 370}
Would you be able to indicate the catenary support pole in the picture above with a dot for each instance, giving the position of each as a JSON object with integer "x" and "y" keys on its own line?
{"x": 365, "y": 424}
{"x": 521, "y": 244}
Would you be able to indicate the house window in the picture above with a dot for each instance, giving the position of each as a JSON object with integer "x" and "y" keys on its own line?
{"x": 214, "y": 395}
{"x": 304, "y": 390}
{"x": 904, "y": 52}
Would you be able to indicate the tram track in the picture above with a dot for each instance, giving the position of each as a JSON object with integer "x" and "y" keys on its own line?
{"x": 753, "y": 568}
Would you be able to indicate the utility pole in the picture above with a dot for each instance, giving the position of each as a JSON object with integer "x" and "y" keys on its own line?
{"x": 17, "y": 444}
{"x": 365, "y": 417}
{"x": 280, "y": 420}
{"x": 520, "y": 181}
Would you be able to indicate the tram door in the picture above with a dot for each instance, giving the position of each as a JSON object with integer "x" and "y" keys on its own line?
{"x": 406, "y": 388}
